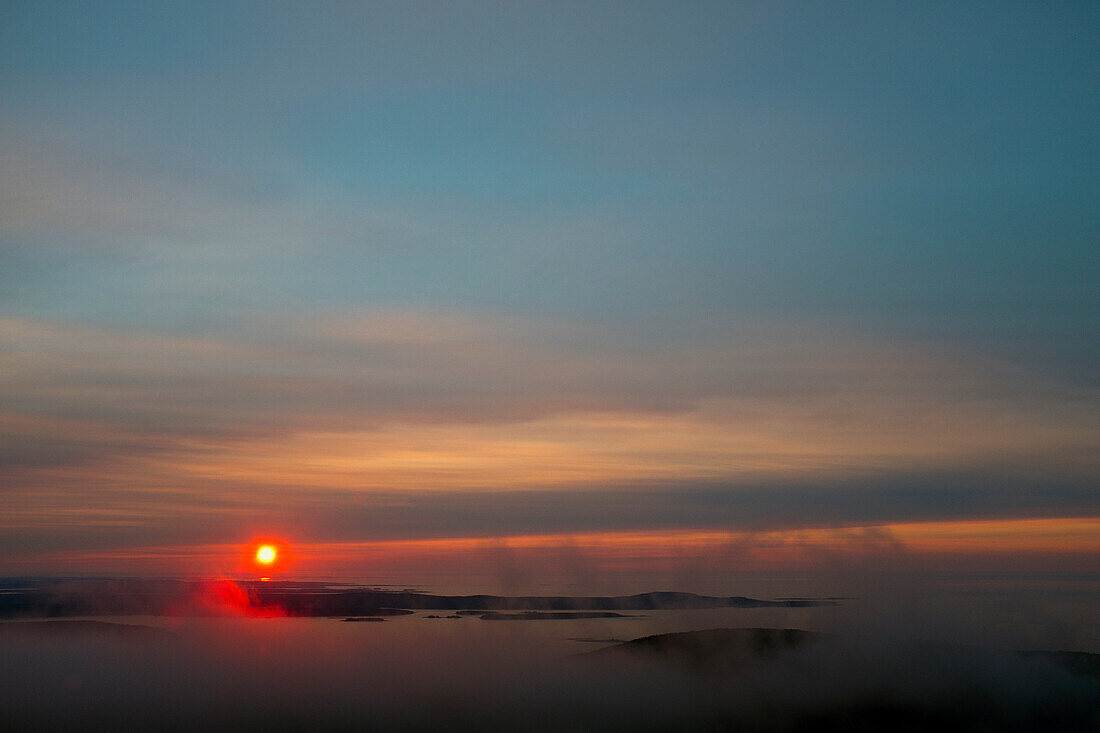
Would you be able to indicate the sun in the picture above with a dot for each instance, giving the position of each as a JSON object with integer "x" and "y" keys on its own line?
{"x": 265, "y": 554}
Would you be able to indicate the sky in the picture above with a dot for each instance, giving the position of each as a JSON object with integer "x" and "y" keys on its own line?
{"x": 620, "y": 287}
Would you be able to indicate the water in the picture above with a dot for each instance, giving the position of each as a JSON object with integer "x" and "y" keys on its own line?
{"x": 413, "y": 672}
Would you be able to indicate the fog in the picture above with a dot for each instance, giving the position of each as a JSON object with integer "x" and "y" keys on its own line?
{"x": 417, "y": 673}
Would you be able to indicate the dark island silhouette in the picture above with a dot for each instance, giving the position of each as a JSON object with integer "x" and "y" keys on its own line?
{"x": 712, "y": 649}
{"x": 366, "y": 619}
{"x": 550, "y": 615}
{"x": 89, "y": 597}
{"x": 725, "y": 649}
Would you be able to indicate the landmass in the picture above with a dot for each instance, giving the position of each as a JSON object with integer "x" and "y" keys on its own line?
{"x": 763, "y": 679}
{"x": 368, "y": 619}
{"x": 90, "y": 597}
{"x": 727, "y": 649}
{"x": 551, "y": 615}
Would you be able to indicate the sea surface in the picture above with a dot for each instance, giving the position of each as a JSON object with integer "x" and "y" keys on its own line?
{"x": 414, "y": 672}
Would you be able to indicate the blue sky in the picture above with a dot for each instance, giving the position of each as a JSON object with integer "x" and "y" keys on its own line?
{"x": 461, "y": 214}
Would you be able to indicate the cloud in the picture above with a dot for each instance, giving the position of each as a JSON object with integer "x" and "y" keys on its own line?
{"x": 131, "y": 205}
{"x": 403, "y": 424}
{"x": 126, "y": 510}
{"x": 458, "y": 385}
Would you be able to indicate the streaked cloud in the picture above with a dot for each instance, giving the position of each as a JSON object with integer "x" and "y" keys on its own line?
{"x": 609, "y": 558}
{"x": 371, "y": 386}
{"x": 416, "y": 423}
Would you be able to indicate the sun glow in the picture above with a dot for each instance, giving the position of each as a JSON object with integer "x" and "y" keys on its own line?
{"x": 265, "y": 554}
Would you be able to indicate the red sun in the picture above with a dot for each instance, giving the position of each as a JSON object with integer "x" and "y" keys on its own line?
{"x": 266, "y": 554}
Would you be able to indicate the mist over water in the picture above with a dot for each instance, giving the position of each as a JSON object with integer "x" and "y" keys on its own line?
{"x": 466, "y": 674}
{"x": 1023, "y": 610}
{"x": 889, "y": 664}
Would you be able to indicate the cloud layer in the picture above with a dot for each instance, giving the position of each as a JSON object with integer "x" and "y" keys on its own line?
{"x": 405, "y": 424}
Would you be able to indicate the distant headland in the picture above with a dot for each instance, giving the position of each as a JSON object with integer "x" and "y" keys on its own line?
{"x": 46, "y": 598}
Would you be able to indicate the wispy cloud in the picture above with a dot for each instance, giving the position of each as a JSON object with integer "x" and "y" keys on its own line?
{"x": 419, "y": 423}
{"x": 374, "y": 385}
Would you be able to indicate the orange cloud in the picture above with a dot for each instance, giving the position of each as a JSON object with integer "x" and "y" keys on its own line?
{"x": 113, "y": 427}
{"x": 636, "y": 550}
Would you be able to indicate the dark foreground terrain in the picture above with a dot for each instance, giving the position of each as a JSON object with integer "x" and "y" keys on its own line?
{"x": 823, "y": 682}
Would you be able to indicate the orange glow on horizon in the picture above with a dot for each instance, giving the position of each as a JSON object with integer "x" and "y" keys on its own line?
{"x": 995, "y": 540}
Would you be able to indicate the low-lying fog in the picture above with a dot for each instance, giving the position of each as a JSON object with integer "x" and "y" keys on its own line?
{"x": 414, "y": 672}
